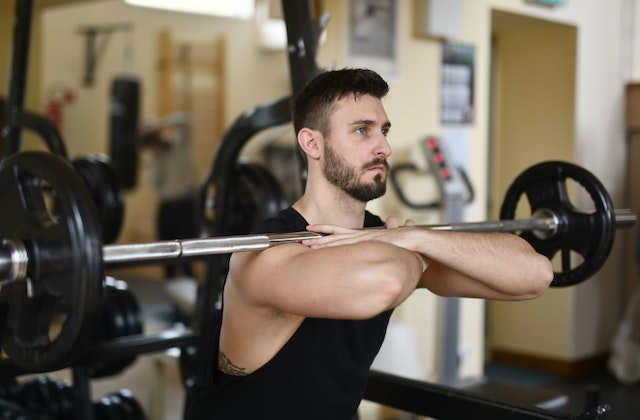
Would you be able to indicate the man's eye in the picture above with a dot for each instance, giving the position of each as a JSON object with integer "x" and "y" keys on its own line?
{"x": 361, "y": 130}
{"x": 385, "y": 131}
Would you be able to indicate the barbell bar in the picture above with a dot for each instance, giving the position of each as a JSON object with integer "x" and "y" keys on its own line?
{"x": 14, "y": 258}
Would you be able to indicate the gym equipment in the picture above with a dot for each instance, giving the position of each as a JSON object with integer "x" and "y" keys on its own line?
{"x": 45, "y": 395}
{"x": 10, "y": 131}
{"x": 556, "y": 221}
{"x": 40, "y": 125}
{"x": 590, "y": 235}
{"x": 119, "y": 405}
{"x": 125, "y": 94}
{"x": 121, "y": 316}
{"x": 51, "y": 258}
{"x": 455, "y": 187}
{"x": 61, "y": 292}
{"x": 256, "y": 196}
{"x": 447, "y": 403}
{"x": 104, "y": 185}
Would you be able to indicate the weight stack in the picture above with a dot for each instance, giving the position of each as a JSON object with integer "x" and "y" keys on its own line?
{"x": 125, "y": 99}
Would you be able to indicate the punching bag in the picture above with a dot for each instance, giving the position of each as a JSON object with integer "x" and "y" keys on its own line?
{"x": 125, "y": 98}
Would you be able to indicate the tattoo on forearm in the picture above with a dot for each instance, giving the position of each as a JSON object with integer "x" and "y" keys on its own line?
{"x": 226, "y": 366}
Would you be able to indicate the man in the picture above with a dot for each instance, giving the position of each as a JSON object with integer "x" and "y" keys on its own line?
{"x": 302, "y": 323}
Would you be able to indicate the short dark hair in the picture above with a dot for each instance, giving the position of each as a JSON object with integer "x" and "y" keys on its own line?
{"x": 312, "y": 105}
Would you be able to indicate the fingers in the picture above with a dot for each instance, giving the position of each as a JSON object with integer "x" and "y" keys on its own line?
{"x": 328, "y": 229}
{"x": 392, "y": 222}
{"x": 333, "y": 235}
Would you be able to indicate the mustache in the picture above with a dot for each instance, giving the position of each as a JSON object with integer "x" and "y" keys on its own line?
{"x": 377, "y": 162}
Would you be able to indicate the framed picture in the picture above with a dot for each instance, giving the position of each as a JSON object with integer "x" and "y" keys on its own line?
{"x": 372, "y": 30}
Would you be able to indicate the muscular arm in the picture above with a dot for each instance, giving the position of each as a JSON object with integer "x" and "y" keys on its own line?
{"x": 491, "y": 266}
{"x": 354, "y": 281}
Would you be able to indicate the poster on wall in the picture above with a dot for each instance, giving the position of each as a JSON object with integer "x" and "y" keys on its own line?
{"x": 457, "y": 83}
{"x": 373, "y": 36}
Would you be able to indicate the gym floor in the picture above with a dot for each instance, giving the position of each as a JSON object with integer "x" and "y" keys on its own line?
{"x": 139, "y": 378}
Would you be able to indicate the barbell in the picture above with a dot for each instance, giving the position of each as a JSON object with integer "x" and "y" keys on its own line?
{"x": 52, "y": 258}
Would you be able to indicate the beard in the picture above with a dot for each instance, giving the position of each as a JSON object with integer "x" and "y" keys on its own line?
{"x": 339, "y": 173}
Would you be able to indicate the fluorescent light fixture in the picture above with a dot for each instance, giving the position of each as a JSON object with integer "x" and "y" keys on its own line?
{"x": 241, "y": 9}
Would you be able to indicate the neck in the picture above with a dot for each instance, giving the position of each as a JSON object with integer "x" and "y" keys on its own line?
{"x": 330, "y": 205}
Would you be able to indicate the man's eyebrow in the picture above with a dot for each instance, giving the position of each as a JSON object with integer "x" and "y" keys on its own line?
{"x": 387, "y": 124}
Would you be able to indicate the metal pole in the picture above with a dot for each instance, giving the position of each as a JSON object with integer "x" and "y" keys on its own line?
{"x": 11, "y": 132}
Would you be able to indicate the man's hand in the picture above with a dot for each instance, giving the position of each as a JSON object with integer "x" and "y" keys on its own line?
{"x": 338, "y": 235}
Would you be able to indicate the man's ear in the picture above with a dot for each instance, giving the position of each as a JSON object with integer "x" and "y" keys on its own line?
{"x": 309, "y": 142}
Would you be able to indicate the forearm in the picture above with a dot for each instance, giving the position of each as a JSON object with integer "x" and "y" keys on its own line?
{"x": 487, "y": 265}
{"x": 484, "y": 265}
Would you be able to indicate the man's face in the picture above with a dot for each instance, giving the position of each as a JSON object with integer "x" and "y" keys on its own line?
{"x": 358, "y": 162}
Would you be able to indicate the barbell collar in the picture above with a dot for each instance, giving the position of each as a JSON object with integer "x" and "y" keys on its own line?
{"x": 14, "y": 261}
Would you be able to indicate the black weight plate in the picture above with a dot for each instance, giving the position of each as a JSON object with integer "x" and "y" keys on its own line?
{"x": 46, "y": 205}
{"x": 106, "y": 190}
{"x": 106, "y": 409}
{"x": 42, "y": 395}
{"x": 590, "y": 234}
{"x": 116, "y": 315}
{"x": 118, "y": 408}
{"x": 35, "y": 394}
{"x": 8, "y": 386}
{"x": 134, "y": 318}
{"x": 65, "y": 390}
{"x": 114, "y": 324}
{"x": 130, "y": 404}
{"x": 256, "y": 195}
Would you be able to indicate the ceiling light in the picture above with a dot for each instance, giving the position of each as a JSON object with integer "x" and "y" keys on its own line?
{"x": 241, "y": 9}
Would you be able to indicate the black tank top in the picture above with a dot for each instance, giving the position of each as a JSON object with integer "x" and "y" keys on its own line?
{"x": 320, "y": 373}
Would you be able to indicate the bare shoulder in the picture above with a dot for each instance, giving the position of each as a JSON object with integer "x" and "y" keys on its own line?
{"x": 256, "y": 273}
